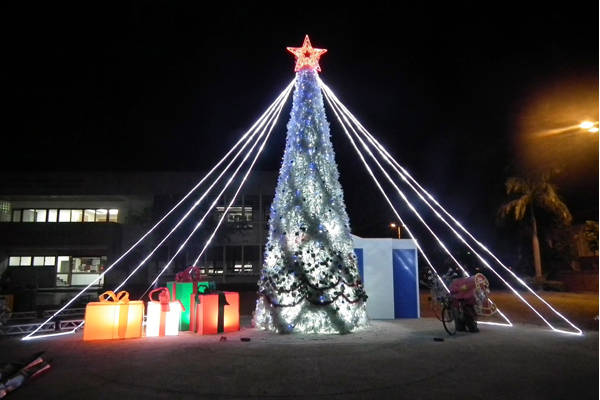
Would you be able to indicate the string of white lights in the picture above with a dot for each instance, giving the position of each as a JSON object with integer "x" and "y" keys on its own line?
{"x": 345, "y": 123}
{"x": 508, "y": 322}
{"x": 238, "y": 190}
{"x": 272, "y": 115}
{"x": 398, "y": 168}
{"x": 337, "y": 104}
{"x": 245, "y": 139}
{"x": 388, "y": 159}
{"x": 182, "y": 246}
{"x": 272, "y": 119}
{"x": 327, "y": 93}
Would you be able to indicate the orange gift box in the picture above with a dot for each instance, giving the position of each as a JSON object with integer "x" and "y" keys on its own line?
{"x": 208, "y": 315}
{"x": 113, "y": 317}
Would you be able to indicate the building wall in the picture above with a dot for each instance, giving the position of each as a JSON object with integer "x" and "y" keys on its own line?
{"x": 142, "y": 199}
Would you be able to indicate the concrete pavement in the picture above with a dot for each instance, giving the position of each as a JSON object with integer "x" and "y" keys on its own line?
{"x": 391, "y": 360}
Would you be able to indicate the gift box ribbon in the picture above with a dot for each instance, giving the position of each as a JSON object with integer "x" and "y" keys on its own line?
{"x": 190, "y": 274}
{"x": 121, "y": 298}
{"x": 222, "y": 303}
{"x": 110, "y": 296}
{"x": 164, "y": 298}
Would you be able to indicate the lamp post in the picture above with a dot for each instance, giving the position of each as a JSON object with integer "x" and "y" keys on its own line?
{"x": 393, "y": 225}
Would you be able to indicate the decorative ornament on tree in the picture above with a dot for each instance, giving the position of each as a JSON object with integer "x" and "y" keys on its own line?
{"x": 309, "y": 281}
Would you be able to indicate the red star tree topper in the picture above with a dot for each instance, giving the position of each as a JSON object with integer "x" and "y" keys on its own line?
{"x": 306, "y": 56}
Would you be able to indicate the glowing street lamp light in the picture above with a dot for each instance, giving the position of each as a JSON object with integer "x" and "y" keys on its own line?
{"x": 393, "y": 225}
{"x": 590, "y": 126}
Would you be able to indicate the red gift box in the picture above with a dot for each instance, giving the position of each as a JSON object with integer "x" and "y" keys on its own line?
{"x": 215, "y": 313}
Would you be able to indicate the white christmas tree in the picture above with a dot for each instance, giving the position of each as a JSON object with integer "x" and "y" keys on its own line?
{"x": 309, "y": 281}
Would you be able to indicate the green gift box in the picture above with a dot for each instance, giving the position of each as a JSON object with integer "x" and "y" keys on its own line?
{"x": 182, "y": 291}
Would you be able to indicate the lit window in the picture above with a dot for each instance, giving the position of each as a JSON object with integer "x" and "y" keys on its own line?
{"x": 52, "y": 215}
{"x": 5, "y": 210}
{"x": 76, "y": 215}
{"x": 40, "y": 215}
{"x": 63, "y": 264}
{"x": 28, "y": 216}
{"x": 14, "y": 261}
{"x": 16, "y": 216}
{"x": 101, "y": 215}
{"x": 235, "y": 214}
{"x": 113, "y": 215}
{"x": 49, "y": 260}
{"x": 89, "y": 216}
{"x": 25, "y": 261}
{"x": 76, "y": 265}
{"x": 38, "y": 261}
{"x": 64, "y": 216}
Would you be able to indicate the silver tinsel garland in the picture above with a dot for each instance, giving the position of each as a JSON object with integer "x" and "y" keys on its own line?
{"x": 309, "y": 281}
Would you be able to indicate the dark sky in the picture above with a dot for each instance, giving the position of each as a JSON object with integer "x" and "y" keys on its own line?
{"x": 172, "y": 85}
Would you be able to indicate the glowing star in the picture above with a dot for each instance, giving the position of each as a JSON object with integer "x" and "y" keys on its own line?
{"x": 306, "y": 56}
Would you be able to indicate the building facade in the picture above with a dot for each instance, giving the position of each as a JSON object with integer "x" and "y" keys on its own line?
{"x": 63, "y": 230}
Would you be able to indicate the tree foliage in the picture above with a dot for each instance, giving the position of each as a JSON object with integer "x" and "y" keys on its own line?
{"x": 590, "y": 233}
{"x": 527, "y": 193}
{"x": 527, "y": 197}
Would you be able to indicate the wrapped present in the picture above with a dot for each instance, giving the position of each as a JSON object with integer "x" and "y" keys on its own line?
{"x": 215, "y": 312}
{"x": 163, "y": 314}
{"x": 113, "y": 317}
{"x": 187, "y": 283}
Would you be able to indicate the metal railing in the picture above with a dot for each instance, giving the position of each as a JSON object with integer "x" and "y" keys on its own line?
{"x": 64, "y": 313}
{"x": 22, "y": 315}
{"x": 26, "y": 328}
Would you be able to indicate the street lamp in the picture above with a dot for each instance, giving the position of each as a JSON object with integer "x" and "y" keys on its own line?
{"x": 590, "y": 126}
{"x": 393, "y": 225}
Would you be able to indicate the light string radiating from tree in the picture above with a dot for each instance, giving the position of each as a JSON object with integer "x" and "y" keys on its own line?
{"x": 403, "y": 174}
{"x": 244, "y": 140}
{"x": 271, "y": 114}
{"x": 345, "y": 126}
{"x": 268, "y": 130}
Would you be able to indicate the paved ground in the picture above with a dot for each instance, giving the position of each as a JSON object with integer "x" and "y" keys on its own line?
{"x": 391, "y": 360}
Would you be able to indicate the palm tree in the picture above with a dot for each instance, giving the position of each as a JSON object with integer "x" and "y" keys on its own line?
{"x": 529, "y": 194}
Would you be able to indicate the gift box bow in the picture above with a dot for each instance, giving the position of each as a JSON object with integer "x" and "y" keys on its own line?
{"x": 222, "y": 297}
{"x": 190, "y": 274}
{"x": 110, "y": 297}
{"x": 164, "y": 299}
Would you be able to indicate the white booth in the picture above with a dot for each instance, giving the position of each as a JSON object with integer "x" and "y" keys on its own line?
{"x": 390, "y": 274}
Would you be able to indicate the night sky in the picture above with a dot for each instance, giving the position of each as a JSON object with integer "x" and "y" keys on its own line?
{"x": 454, "y": 90}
